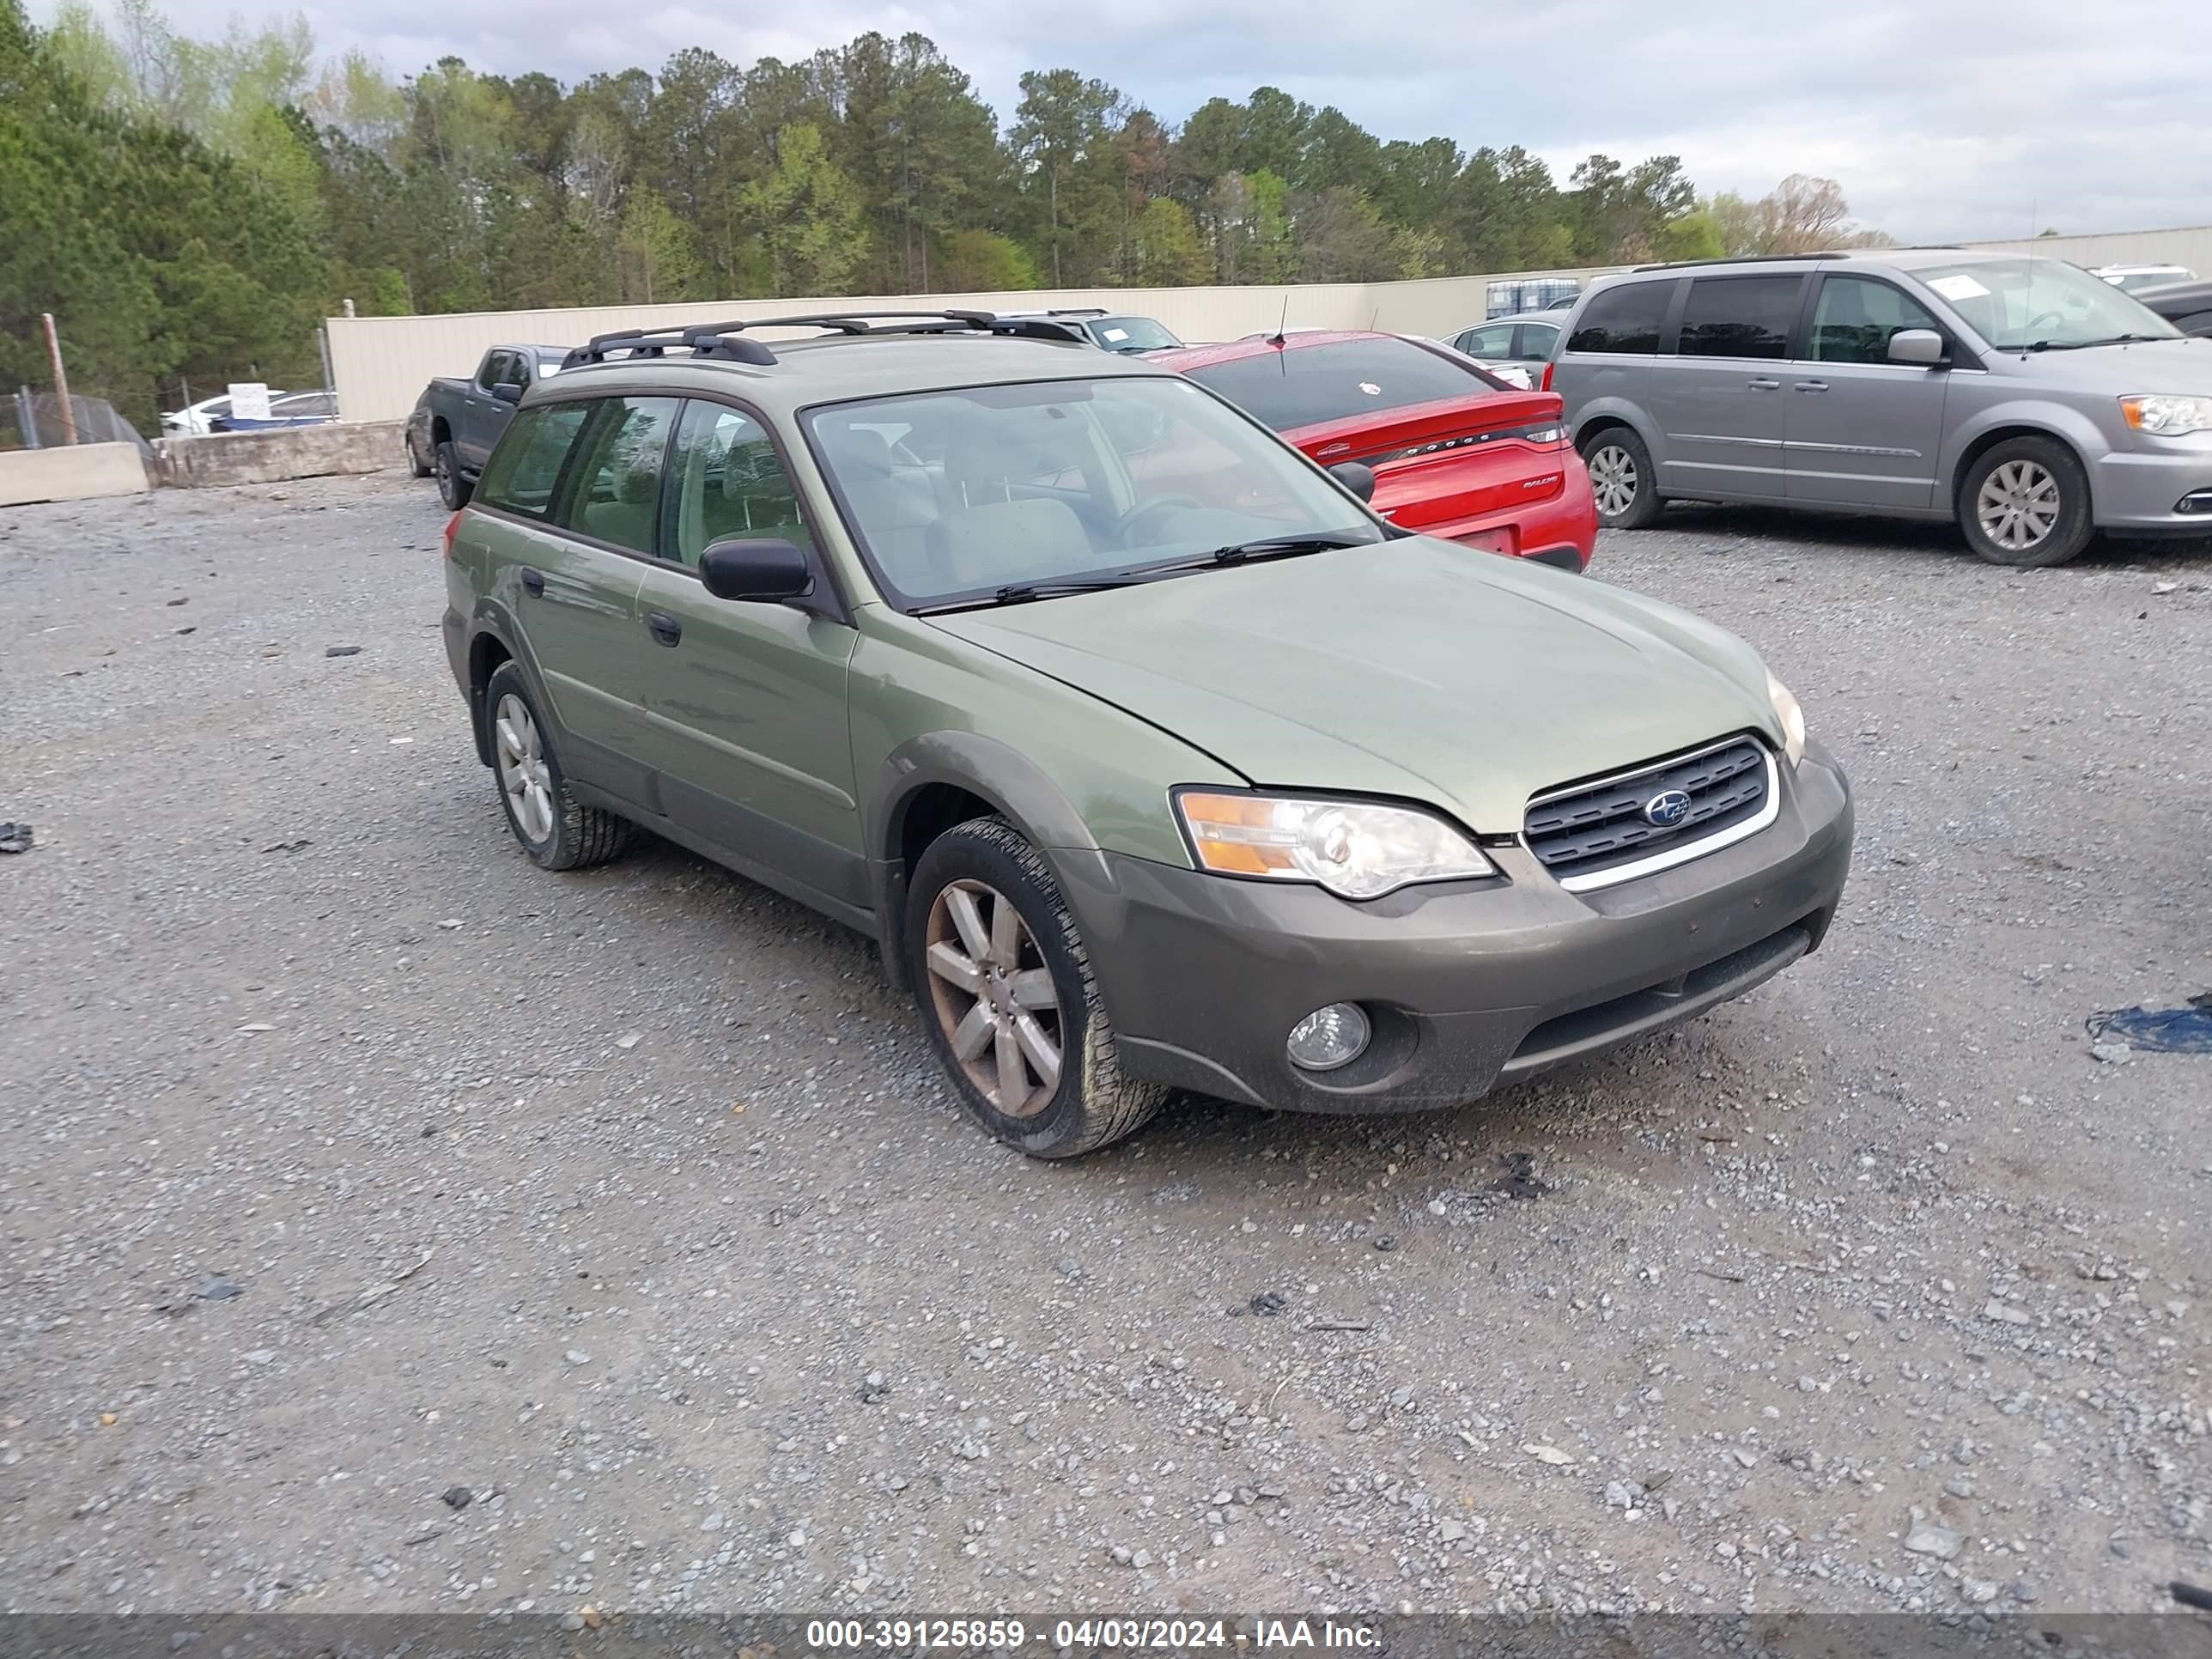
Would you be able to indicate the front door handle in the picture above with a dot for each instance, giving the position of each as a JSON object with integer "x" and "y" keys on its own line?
{"x": 533, "y": 583}
{"x": 665, "y": 628}
{"x": 1764, "y": 385}
{"x": 1812, "y": 386}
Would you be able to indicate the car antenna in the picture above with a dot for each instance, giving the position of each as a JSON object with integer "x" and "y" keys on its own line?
{"x": 1283, "y": 326}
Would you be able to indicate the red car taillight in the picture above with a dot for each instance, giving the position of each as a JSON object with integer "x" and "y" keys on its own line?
{"x": 452, "y": 525}
{"x": 1545, "y": 385}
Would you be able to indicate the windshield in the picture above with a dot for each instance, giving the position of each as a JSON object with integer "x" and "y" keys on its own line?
{"x": 2019, "y": 304}
{"x": 956, "y": 495}
{"x": 1132, "y": 334}
{"x": 1293, "y": 387}
{"x": 2135, "y": 281}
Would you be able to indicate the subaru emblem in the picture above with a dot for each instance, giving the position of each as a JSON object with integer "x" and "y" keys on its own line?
{"x": 1666, "y": 809}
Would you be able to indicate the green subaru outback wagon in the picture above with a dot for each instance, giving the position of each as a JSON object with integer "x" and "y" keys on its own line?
{"x": 1150, "y": 755}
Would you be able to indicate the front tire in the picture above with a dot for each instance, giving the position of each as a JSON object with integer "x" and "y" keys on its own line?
{"x": 2024, "y": 503}
{"x": 416, "y": 466}
{"x": 1622, "y": 480}
{"x": 1009, "y": 1000}
{"x": 454, "y": 489}
{"x": 558, "y": 831}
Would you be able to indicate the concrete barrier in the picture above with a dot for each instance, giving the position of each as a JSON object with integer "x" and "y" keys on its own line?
{"x": 269, "y": 457}
{"x": 70, "y": 472}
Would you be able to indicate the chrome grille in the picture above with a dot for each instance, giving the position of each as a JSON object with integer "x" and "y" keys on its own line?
{"x": 1585, "y": 832}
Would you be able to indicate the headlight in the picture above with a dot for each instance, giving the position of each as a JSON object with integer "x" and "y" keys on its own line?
{"x": 2167, "y": 417}
{"x": 1791, "y": 716}
{"x": 1356, "y": 849}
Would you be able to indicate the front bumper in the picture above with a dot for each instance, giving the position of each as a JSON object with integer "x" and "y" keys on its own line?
{"x": 1468, "y": 984}
{"x": 2138, "y": 491}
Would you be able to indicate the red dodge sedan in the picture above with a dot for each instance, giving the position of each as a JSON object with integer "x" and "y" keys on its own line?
{"x": 1456, "y": 452}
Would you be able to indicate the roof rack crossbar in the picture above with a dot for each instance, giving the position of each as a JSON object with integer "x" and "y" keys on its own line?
{"x": 725, "y": 340}
{"x": 1749, "y": 259}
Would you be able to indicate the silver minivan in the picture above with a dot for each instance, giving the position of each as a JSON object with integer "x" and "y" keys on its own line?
{"x": 2030, "y": 401}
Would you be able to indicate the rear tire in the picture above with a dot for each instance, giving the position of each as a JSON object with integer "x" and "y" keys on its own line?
{"x": 416, "y": 466}
{"x": 1621, "y": 478}
{"x": 1004, "y": 982}
{"x": 558, "y": 831}
{"x": 2024, "y": 503}
{"x": 454, "y": 489}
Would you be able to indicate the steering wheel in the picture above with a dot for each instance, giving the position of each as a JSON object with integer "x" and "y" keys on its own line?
{"x": 2034, "y": 323}
{"x": 1125, "y": 527}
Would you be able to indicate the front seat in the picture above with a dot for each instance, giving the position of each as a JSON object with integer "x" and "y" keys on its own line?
{"x": 895, "y": 507}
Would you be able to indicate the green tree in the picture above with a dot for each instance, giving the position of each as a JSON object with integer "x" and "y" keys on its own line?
{"x": 1063, "y": 139}
{"x": 1171, "y": 253}
{"x": 806, "y": 218}
{"x": 1695, "y": 235}
{"x": 984, "y": 261}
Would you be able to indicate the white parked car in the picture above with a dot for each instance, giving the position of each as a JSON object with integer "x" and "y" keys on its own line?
{"x": 193, "y": 420}
{"x": 2133, "y": 279}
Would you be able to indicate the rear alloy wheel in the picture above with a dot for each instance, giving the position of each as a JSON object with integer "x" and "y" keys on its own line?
{"x": 1008, "y": 994}
{"x": 2024, "y": 502}
{"x": 453, "y": 489}
{"x": 557, "y": 830}
{"x": 1621, "y": 480}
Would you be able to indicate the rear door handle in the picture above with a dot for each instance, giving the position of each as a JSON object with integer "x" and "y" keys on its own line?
{"x": 1812, "y": 386}
{"x": 533, "y": 582}
{"x": 665, "y": 628}
{"x": 1764, "y": 385}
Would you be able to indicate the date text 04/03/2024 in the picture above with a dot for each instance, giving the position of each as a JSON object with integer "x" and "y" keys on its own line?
{"x": 1138, "y": 1634}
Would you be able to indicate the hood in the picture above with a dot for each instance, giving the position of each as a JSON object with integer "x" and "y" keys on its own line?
{"x": 1411, "y": 668}
{"x": 2183, "y": 366}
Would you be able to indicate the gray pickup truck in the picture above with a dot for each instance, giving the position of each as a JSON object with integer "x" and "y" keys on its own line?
{"x": 456, "y": 422}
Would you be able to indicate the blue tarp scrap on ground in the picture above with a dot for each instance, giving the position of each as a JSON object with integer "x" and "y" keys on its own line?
{"x": 2159, "y": 1031}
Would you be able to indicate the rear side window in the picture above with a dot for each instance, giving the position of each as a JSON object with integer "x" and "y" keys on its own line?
{"x": 617, "y": 494}
{"x": 729, "y": 484}
{"x": 1740, "y": 316}
{"x": 1624, "y": 320}
{"x": 1304, "y": 386}
{"x": 1537, "y": 340}
{"x": 523, "y": 470}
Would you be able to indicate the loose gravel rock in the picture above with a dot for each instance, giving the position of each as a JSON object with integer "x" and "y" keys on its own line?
{"x": 743, "y": 1315}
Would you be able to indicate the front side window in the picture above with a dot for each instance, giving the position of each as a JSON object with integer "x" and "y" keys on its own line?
{"x": 2038, "y": 305}
{"x": 953, "y": 495}
{"x": 726, "y": 483}
{"x": 1287, "y": 387}
{"x": 1855, "y": 317}
{"x": 1625, "y": 321}
{"x": 617, "y": 494}
{"x": 1740, "y": 316}
{"x": 521, "y": 476}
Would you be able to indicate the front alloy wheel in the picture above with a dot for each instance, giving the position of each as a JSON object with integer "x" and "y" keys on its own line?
{"x": 994, "y": 998}
{"x": 2017, "y": 506}
{"x": 2024, "y": 502}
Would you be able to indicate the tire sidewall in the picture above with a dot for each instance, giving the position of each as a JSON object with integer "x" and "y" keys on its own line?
{"x": 553, "y": 853}
{"x": 453, "y": 490}
{"x": 2067, "y": 537}
{"x": 1644, "y": 506}
{"x": 962, "y": 853}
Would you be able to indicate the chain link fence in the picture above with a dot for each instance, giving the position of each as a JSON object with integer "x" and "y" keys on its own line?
{"x": 34, "y": 420}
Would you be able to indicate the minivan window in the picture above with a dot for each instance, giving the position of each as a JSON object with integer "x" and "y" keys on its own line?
{"x": 1305, "y": 386}
{"x": 2035, "y": 304}
{"x": 728, "y": 484}
{"x": 1624, "y": 320}
{"x": 1740, "y": 316}
{"x": 1855, "y": 316}
{"x": 617, "y": 492}
{"x": 524, "y": 469}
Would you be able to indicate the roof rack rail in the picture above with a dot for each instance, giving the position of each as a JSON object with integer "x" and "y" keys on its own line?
{"x": 725, "y": 342}
{"x": 1751, "y": 259}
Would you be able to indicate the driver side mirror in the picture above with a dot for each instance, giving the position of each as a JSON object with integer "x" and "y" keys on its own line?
{"x": 768, "y": 571}
{"x": 1920, "y": 346}
{"x": 508, "y": 391}
{"x": 1357, "y": 476}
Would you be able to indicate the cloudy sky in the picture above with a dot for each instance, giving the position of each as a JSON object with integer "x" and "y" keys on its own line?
{"x": 1944, "y": 120}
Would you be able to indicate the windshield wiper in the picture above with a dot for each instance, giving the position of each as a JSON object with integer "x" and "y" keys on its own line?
{"x": 1022, "y": 592}
{"x": 2115, "y": 339}
{"x": 1276, "y": 547}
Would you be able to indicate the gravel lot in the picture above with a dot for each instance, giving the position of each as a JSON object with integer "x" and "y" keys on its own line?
{"x": 353, "y": 1162}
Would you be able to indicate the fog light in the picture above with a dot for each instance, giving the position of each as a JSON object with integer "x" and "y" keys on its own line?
{"x": 1328, "y": 1037}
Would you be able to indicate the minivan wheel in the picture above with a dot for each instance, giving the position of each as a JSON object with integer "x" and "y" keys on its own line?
{"x": 1008, "y": 998}
{"x": 2024, "y": 502}
{"x": 1621, "y": 478}
{"x": 558, "y": 831}
{"x": 453, "y": 489}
